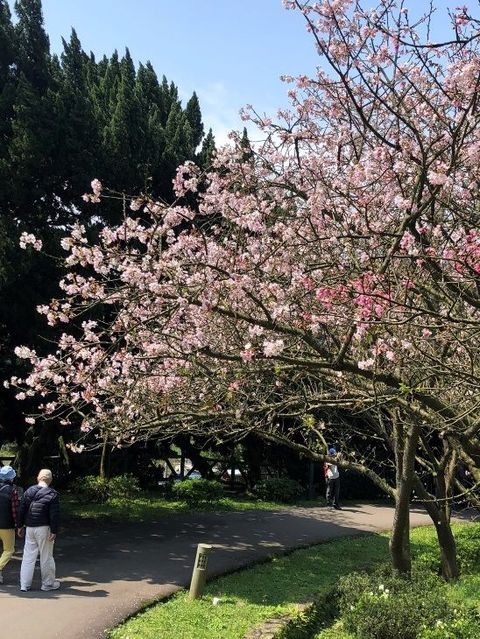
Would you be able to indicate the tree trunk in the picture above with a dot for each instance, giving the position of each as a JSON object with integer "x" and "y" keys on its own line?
{"x": 400, "y": 538}
{"x": 440, "y": 517}
{"x": 405, "y": 449}
{"x": 103, "y": 459}
{"x": 448, "y": 550}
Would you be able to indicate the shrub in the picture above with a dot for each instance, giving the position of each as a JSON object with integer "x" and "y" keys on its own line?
{"x": 197, "y": 491}
{"x": 464, "y": 625}
{"x": 282, "y": 490}
{"x": 93, "y": 489}
{"x": 123, "y": 486}
{"x": 387, "y": 606}
{"x": 90, "y": 489}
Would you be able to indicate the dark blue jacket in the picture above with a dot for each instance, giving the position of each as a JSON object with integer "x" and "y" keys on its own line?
{"x": 6, "y": 515}
{"x": 39, "y": 507}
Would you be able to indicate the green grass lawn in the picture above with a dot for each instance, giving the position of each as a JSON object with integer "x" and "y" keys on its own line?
{"x": 259, "y": 593}
{"x": 151, "y": 507}
{"x": 262, "y": 592}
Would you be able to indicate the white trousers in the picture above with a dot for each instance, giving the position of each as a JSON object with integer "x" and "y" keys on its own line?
{"x": 36, "y": 541}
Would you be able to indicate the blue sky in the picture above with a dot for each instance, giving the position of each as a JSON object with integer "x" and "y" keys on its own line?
{"x": 231, "y": 52}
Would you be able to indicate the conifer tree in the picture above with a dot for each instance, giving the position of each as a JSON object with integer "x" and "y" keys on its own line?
{"x": 79, "y": 130}
{"x": 125, "y": 134}
{"x": 207, "y": 151}
{"x": 194, "y": 117}
{"x": 32, "y": 43}
{"x": 7, "y": 89}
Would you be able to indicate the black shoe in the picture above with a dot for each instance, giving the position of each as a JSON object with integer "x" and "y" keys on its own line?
{"x": 337, "y": 507}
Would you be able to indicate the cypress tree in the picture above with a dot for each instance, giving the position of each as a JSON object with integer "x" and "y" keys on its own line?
{"x": 246, "y": 146}
{"x": 149, "y": 95}
{"x": 79, "y": 130}
{"x": 105, "y": 94}
{"x": 168, "y": 99}
{"x": 7, "y": 43}
{"x": 7, "y": 91}
{"x": 125, "y": 134}
{"x": 32, "y": 43}
{"x": 207, "y": 152}
{"x": 194, "y": 117}
{"x": 148, "y": 88}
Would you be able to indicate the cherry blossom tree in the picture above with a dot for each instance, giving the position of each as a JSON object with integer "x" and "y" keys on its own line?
{"x": 345, "y": 245}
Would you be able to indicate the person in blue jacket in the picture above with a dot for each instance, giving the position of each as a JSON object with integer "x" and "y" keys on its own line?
{"x": 39, "y": 513}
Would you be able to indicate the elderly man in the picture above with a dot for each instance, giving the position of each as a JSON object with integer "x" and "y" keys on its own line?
{"x": 8, "y": 515}
{"x": 39, "y": 510}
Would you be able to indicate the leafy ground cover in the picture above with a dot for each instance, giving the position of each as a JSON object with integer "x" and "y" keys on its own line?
{"x": 250, "y": 596}
{"x": 382, "y": 606}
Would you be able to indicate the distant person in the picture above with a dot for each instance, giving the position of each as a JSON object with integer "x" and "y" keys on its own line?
{"x": 39, "y": 512}
{"x": 8, "y": 515}
{"x": 332, "y": 478}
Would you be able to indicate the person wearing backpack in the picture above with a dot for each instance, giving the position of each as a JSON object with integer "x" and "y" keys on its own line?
{"x": 39, "y": 513}
{"x": 332, "y": 479}
{"x": 8, "y": 515}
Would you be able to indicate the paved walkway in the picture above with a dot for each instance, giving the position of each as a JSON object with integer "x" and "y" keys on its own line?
{"x": 108, "y": 571}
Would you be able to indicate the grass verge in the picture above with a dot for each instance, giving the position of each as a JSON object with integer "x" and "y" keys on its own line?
{"x": 250, "y": 596}
{"x": 151, "y": 507}
{"x": 253, "y": 595}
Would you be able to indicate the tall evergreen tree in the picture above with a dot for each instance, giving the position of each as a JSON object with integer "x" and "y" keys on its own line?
{"x": 207, "y": 151}
{"x": 148, "y": 88}
{"x": 33, "y": 43}
{"x": 7, "y": 90}
{"x": 168, "y": 98}
{"x": 79, "y": 130}
{"x": 194, "y": 117}
{"x": 125, "y": 134}
{"x": 7, "y": 43}
{"x": 105, "y": 94}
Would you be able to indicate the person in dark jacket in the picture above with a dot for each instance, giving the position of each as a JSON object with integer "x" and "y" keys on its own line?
{"x": 39, "y": 512}
{"x": 8, "y": 515}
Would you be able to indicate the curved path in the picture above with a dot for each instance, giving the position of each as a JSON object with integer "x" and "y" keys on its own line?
{"x": 109, "y": 570}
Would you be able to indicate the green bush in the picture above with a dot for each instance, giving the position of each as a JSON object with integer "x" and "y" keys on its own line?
{"x": 123, "y": 486}
{"x": 387, "y": 606}
{"x": 282, "y": 490}
{"x": 464, "y": 625}
{"x": 197, "y": 491}
{"x": 93, "y": 489}
{"x": 90, "y": 489}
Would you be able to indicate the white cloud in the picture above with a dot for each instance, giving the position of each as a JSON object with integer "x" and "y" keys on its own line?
{"x": 218, "y": 111}
{"x": 221, "y": 112}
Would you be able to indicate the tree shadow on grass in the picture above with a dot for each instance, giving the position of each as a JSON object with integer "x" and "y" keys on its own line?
{"x": 300, "y": 575}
